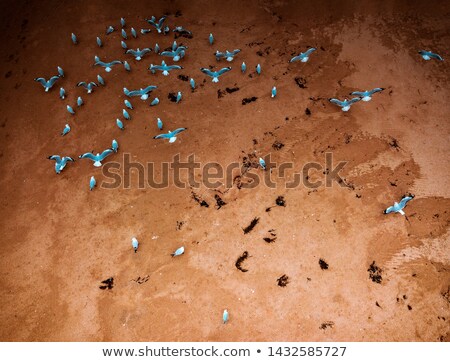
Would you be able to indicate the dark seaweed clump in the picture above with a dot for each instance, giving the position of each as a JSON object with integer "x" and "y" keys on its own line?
{"x": 375, "y": 273}
{"x": 109, "y": 283}
{"x": 200, "y": 201}
{"x": 240, "y": 260}
{"x": 283, "y": 280}
{"x": 248, "y": 100}
{"x": 251, "y": 226}
{"x": 219, "y": 202}
{"x": 323, "y": 264}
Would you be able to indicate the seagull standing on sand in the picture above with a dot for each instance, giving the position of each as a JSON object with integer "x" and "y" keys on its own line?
{"x": 243, "y": 67}
{"x": 303, "y": 57}
{"x": 274, "y": 92}
{"x": 179, "y": 95}
{"x": 427, "y": 55}
{"x": 211, "y": 39}
{"x": 215, "y": 75}
{"x": 80, "y": 101}
{"x": 92, "y": 183}
{"x": 109, "y": 29}
{"x": 367, "y": 95}
{"x": 159, "y": 123}
{"x": 128, "y": 104}
{"x": 398, "y": 207}
{"x": 179, "y": 251}
{"x": 126, "y": 66}
{"x": 345, "y": 104}
{"x": 74, "y": 38}
{"x": 124, "y": 34}
{"x": 171, "y": 135}
{"x": 70, "y": 110}
{"x": 61, "y": 72}
{"x": 66, "y": 130}
{"x": 123, "y": 44}
{"x": 258, "y": 69}
{"x": 134, "y": 244}
{"x": 62, "y": 93}
{"x": 98, "y": 158}
{"x": 192, "y": 83}
{"x": 225, "y": 316}
{"x": 262, "y": 163}
{"x": 114, "y": 145}
{"x": 120, "y": 124}
{"x": 47, "y": 84}
{"x": 99, "y": 42}
{"x": 122, "y": 22}
{"x": 126, "y": 115}
{"x": 60, "y": 162}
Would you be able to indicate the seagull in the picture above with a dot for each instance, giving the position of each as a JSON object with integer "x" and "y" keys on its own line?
{"x": 229, "y": 56}
{"x": 60, "y": 72}
{"x": 62, "y": 93}
{"x": 98, "y": 158}
{"x": 100, "y": 79}
{"x": 160, "y": 124}
{"x": 88, "y": 86}
{"x": 215, "y": 75}
{"x": 120, "y": 124}
{"x": 134, "y": 244}
{"x": 156, "y": 50}
{"x": 211, "y": 39}
{"x": 122, "y": 22}
{"x": 107, "y": 66}
{"x": 176, "y": 55}
{"x": 171, "y": 135}
{"x": 124, "y": 34}
{"x": 128, "y": 104}
{"x": 158, "y": 25}
{"x": 60, "y": 162}
{"x": 99, "y": 42}
{"x": 145, "y": 31}
{"x": 303, "y": 57}
{"x": 70, "y": 110}
{"x": 398, "y": 207}
{"x": 123, "y": 44}
{"x": 274, "y": 92}
{"x": 109, "y": 29}
{"x": 179, "y": 251}
{"x": 143, "y": 93}
{"x": 258, "y": 69}
{"x": 345, "y": 104}
{"x": 126, "y": 66}
{"x": 164, "y": 68}
{"x": 126, "y": 114}
{"x": 427, "y": 55}
{"x": 114, "y": 145}
{"x": 138, "y": 54}
{"x": 367, "y": 95}
{"x": 79, "y": 102}
{"x": 262, "y": 163}
{"x": 178, "y": 97}
{"x": 74, "y": 38}
{"x": 47, "y": 84}
{"x": 225, "y": 316}
{"x": 133, "y": 32}
{"x": 192, "y": 83}
{"x": 92, "y": 183}
{"x": 243, "y": 67}
{"x": 66, "y": 130}
{"x": 154, "y": 102}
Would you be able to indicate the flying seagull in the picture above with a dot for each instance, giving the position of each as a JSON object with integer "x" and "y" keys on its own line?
{"x": 229, "y": 56}
{"x": 60, "y": 162}
{"x": 120, "y": 124}
{"x": 107, "y": 66}
{"x": 176, "y": 55}
{"x": 158, "y": 25}
{"x": 367, "y": 95}
{"x": 98, "y": 158}
{"x": 215, "y": 75}
{"x": 143, "y": 93}
{"x": 171, "y": 135}
{"x": 345, "y": 104}
{"x": 427, "y": 55}
{"x": 134, "y": 244}
{"x": 398, "y": 207}
{"x": 164, "y": 68}
{"x": 138, "y": 54}
{"x": 303, "y": 57}
{"x": 114, "y": 145}
{"x": 92, "y": 183}
{"x": 225, "y": 316}
{"x": 66, "y": 130}
{"x": 274, "y": 92}
{"x": 60, "y": 72}
{"x": 47, "y": 84}
{"x": 179, "y": 251}
{"x": 88, "y": 86}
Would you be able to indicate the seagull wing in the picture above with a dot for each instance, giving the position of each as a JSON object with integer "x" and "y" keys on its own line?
{"x": 389, "y": 210}
{"x": 131, "y": 51}
{"x": 161, "y": 21}
{"x": 134, "y": 93}
{"x": 55, "y": 158}
{"x": 354, "y": 100}
{"x": 106, "y": 152}
{"x": 335, "y": 101}
{"x": 115, "y": 62}
{"x": 102, "y": 64}
{"x": 93, "y": 84}
{"x": 235, "y": 51}
{"x": 375, "y": 90}
{"x": 52, "y": 80}
{"x": 41, "y": 81}
{"x": 309, "y": 51}
{"x": 223, "y": 70}
{"x": 178, "y": 130}
{"x": 167, "y": 53}
{"x": 296, "y": 58}
{"x": 149, "y": 89}
{"x": 69, "y": 158}
{"x": 82, "y": 84}
{"x": 89, "y": 155}
{"x": 208, "y": 72}
{"x": 436, "y": 56}
{"x": 402, "y": 203}
{"x": 162, "y": 135}
{"x": 361, "y": 94}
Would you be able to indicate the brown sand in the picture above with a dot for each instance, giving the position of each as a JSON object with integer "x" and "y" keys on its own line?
{"x": 59, "y": 241}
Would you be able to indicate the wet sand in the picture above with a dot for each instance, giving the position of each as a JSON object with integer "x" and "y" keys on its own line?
{"x": 59, "y": 240}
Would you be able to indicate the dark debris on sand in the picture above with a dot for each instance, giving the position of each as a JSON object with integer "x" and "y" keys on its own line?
{"x": 200, "y": 201}
{"x": 283, "y": 280}
{"x": 240, "y": 260}
{"x": 248, "y": 100}
{"x": 307, "y": 112}
{"x": 183, "y": 77}
{"x": 172, "y": 97}
{"x": 394, "y": 144}
{"x": 219, "y": 202}
{"x": 327, "y": 324}
{"x": 251, "y": 226}
{"x": 141, "y": 280}
{"x": 280, "y": 201}
{"x": 109, "y": 283}
{"x": 301, "y": 82}
{"x": 375, "y": 273}
{"x": 277, "y": 145}
{"x": 323, "y": 264}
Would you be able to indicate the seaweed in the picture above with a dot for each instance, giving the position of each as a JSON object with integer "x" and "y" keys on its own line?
{"x": 240, "y": 260}
{"x": 375, "y": 273}
{"x": 248, "y": 100}
{"x": 283, "y": 280}
{"x": 251, "y": 226}
{"x": 109, "y": 283}
{"x": 323, "y": 264}
{"x": 219, "y": 202}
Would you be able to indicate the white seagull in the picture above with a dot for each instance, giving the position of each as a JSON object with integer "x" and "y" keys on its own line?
{"x": 47, "y": 84}
{"x": 345, "y": 104}
{"x": 171, "y": 135}
{"x": 367, "y": 95}
{"x": 215, "y": 75}
{"x": 179, "y": 251}
{"x": 98, "y": 158}
{"x": 399, "y": 206}
{"x": 60, "y": 162}
{"x": 303, "y": 57}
